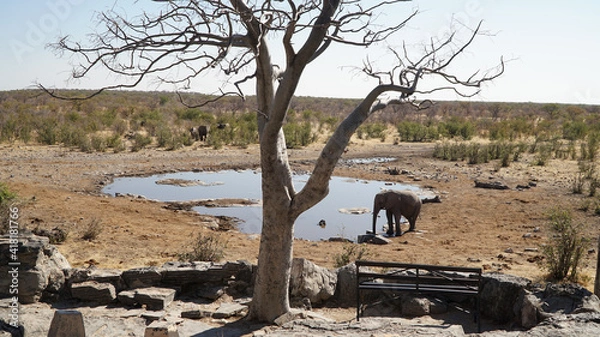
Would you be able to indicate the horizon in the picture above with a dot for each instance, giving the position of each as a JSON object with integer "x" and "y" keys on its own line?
{"x": 297, "y": 96}
{"x": 544, "y": 44}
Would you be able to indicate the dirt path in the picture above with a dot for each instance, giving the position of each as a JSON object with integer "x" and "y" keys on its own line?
{"x": 471, "y": 227}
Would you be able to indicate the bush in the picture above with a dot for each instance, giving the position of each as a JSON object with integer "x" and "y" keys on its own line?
{"x": 371, "y": 130}
{"x": 7, "y": 199}
{"x": 416, "y": 132}
{"x": 140, "y": 141}
{"x": 298, "y": 134}
{"x": 92, "y": 230}
{"x": 565, "y": 247}
{"x": 350, "y": 253}
{"x": 205, "y": 248}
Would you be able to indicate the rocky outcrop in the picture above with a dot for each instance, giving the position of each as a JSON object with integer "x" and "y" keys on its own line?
{"x": 311, "y": 281}
{"x": 507, "y": 298}
{"x": 38, "y": 266}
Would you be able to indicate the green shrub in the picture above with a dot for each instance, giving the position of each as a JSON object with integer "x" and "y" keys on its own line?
{"x": 416, "y": 132}
{"x": 205, "y": 247}
{"x": 98, "y": 143}
{"x": 371, "y": 130}
{"x": 298, "y": 134}
{"x": 47, "y": 133}
{"x": 140, "y": 141}
{"x": 350, "y": 253}
{"x": 565, "y": 247}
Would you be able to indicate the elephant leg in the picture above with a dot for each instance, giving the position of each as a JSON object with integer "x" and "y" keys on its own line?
{"x": 398, "y": 229}
{"x": 390, "y": 230}
{"x": 413, "y": 222}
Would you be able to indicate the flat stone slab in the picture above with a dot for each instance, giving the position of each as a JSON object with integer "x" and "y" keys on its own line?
{"x": 374, "y": 239}
{"x": 101, "y": 293}
{"x": 161, "y": 329}
{"x": 153, "y": 298}
{"x": 196, "y": 313}
{"x": 229, "y": 310}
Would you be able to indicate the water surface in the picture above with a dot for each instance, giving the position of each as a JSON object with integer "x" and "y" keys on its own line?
{"x": 344, "y": 193}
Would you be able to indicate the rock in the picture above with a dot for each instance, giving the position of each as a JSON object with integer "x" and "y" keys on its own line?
{"x": 415, "y": 306}
{"x": 497, "y": 185}
{"x": 345, "y": 291}
{"x": 182, "y": 273}
{"x": 112, "y": 276}
{"x": 42, "y": 268}
{"x": 529, "y": 311}
{"x": 196, "y": 313}
{"x": 67, "y": 323}
{"x": 227, "y": 310}
{"x": 375, "y": 239}
{"x": 210, "y": 293}
{"x": 127, "y": 298}
{"x": 499, "y": 294}
{"x": 296, "y": 314}
{"x": 142, "y": 277}
{"x": 92, "y": 291}
{"x": 161, "y": 329}
{"x": 153, "y": 315}
{"x": 354, "y": 210}
{"x": 154, "y": 298}
{"x": 569, "y": 299}
{"x": 309, "y": 280}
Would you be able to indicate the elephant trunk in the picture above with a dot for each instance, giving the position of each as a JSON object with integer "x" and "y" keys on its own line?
{"x": 375, "y": 212}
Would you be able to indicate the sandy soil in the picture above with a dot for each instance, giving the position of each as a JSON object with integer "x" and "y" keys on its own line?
{"x": 470, "y": 227}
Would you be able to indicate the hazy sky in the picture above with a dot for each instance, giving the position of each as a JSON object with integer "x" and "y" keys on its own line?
{"x": 553, "y": 47}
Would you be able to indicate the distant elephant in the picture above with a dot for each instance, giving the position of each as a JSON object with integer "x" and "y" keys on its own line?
{"x": 203, "y": 132}
{"x": 200, "y": 132}
{"x": 397, "y": 203}
{"x": 194, "y": 133}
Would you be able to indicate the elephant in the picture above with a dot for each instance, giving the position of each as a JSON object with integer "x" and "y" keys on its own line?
{"x": 397, "y": 203}
{"x": 200, "y": 132}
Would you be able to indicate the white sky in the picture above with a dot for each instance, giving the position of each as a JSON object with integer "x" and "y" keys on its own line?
{"x": 553, "y": 47}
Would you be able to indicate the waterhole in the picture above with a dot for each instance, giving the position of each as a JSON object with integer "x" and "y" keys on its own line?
{"x": 345, "y": 212}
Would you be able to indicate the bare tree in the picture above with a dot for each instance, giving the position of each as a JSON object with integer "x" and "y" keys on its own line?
{"x": 191, "y": 38}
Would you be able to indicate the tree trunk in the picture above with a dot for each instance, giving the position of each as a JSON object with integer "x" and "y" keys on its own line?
{"x": 597, "y": 283}
{"x": 271, "y": 299}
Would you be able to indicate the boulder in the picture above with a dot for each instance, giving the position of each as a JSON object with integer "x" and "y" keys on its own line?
{"x": 512, "y": 299}
{"x": 568, "y": 299}
{"x": 41, "y": 269}
{"x": 345, "y": 290}
{"x": 311, "y": 281}
{"x": 499, "y": 295}
{"x": 92, "y": 291}
{"x": 415, "y": 306}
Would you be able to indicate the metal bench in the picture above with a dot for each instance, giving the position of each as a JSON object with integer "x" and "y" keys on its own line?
{"x": 418, "y": 278}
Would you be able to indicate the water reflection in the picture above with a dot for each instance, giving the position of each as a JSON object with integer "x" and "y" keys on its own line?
{"x": 344, "y": 193}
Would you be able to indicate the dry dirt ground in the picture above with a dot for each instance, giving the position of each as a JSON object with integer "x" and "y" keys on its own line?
{"x": 470, "y": 227}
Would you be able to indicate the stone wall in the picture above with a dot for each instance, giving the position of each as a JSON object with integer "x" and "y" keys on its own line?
{"x": 45, "y": 275}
